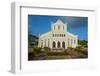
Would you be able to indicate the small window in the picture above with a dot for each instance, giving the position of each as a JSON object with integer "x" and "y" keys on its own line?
{"x": 54, "y": 35}
{"x": 60, "y": 35}
{"x": 54, "y": 27}
{"x": 74, "y": 41}
{"x": 45, "y": 42}
{"x": 58, "y": 27}
{"x": 57, "y": 35}
{"x": 41, "y": 43}
{"x": 64, "y": 35}
{"x": 63, "y": 27}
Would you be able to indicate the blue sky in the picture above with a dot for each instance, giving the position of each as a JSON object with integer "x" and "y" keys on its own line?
{"x": 39, "y": 24}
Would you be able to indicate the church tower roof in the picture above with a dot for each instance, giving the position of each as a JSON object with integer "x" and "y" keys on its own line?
{"x": 59, "y": 21}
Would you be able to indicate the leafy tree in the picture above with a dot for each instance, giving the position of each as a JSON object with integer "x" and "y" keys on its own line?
{"x": 83, "y": 42}
{"x": 32, "y": 40}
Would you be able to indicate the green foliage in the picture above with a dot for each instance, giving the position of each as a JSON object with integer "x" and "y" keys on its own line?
{"x": 70, "y": 48}
{"x": 31, "y": 55}
{"x": 81, "y": 50}
{"x": 32, "y": 40}
{"x": 83, "y": 43}
{"x": 46, "y": 49}
{"x": 37, "y": 50}
{"x": 57, "y": 53}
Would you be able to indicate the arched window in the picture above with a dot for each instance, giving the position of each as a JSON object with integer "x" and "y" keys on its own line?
{"x": 45, "y": 43}
{"x": 60, "y": 35}
{"x": 64, "y": 35}
{"x": 57, "y": 35}
{"x": 63, "y": 27}
{"x": 58, "y": 44}
{"x": 58, "y": 27}
{"x": 54, "y": 35}
{"x": 41, "y": 43}
{"x": 54, "y": 27}
{"x": 54, "y": 44}
{"x": 63, "y": 44}
{"x": 74, "y": 41}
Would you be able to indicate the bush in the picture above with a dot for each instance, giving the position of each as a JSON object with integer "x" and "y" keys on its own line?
{"x": 46, "y": 49}
{"x": 70, "y": 48}
{"x": 56, "y": 53}
{"x": 31, "y": 55}
{"x": 37, "y": 50}
{"x": 81, "y": 50}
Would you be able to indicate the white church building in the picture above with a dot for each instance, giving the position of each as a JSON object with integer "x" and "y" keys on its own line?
{"x": 58, "y": 37}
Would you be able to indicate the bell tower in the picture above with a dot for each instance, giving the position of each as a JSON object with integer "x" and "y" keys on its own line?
{"x": 59, "y": 26}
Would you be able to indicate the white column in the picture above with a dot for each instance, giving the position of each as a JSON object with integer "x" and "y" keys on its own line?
{"x": 43, "y": 43}
{"x": 76, "y": 42}
{"x": 56, "y": 43}
{"x": 61, "y": 44}
{"x": 70, "y": 42}
{"x": 66, "y": 44}
{"x": 50, "y": 43}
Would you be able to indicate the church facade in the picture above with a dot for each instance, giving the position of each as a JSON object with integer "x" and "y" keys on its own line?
{"x": 58, "y": 37}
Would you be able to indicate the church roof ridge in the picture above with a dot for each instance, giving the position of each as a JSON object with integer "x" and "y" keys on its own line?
{"x": 59, "y": 20}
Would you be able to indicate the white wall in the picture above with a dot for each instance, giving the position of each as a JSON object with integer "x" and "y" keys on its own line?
{"x": 5, "y": 42}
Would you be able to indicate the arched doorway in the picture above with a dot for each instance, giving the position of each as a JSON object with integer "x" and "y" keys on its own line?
{"x": 63, "y": 44}
{"x": 54, "y": 44}
{"x": 58, "y": 44}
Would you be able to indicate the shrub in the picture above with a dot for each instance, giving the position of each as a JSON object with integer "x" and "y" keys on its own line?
{"x": 37, "y": 50}
{"x": 31, "y": 55}
{"x": 70, "y": 48}
{"x": 56, "y": 53}
{"x": 81, "y": 50}
{"x": 46, "y": 49}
